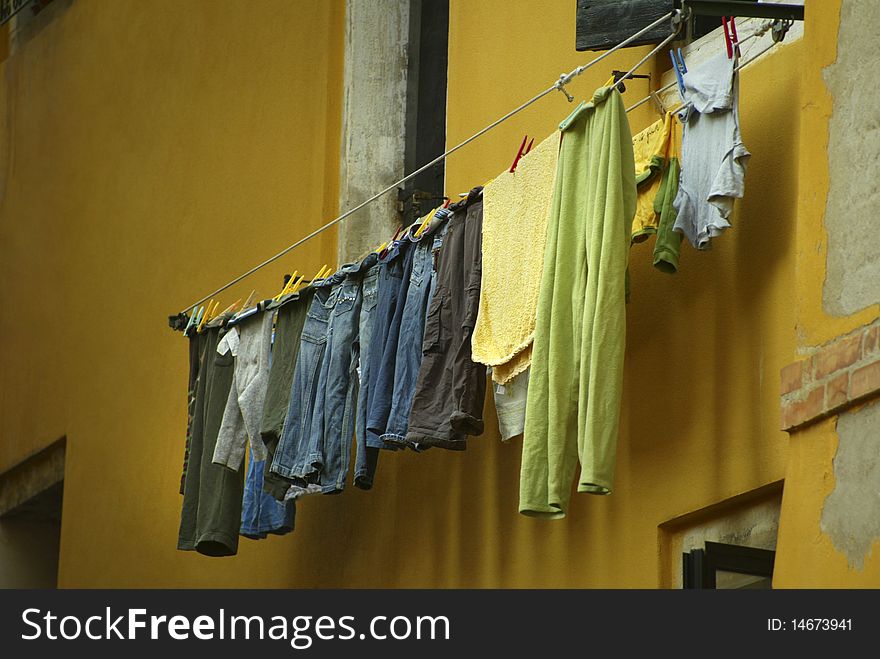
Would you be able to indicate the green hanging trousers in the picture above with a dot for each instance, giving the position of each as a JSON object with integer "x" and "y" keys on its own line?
{"x": 573, "y": 407}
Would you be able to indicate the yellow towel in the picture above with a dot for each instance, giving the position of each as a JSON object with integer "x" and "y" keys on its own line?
{"x": 515, "y": 210}
{"x": 650, "y": 148}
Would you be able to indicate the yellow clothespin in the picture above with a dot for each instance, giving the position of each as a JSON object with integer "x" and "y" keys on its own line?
{"x": 250, "y": 299}
{"x": 205, "y": 316}
{"x": 297, "y": 284}
{"x": 232, "y": 307}
{"x": 286, "y": 288}
{"x": 321, "y": 273}
{"x": 425, "y": 222}
{"x": 214, "y": 311}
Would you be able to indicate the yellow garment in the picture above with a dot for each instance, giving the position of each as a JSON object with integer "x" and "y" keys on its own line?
{"x": 515, "y": 211}
{"x": 504, "y": 373}
{"x": 650, "y": 149}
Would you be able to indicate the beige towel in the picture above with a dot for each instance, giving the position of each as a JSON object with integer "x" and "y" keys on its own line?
{"x": 515, "y": 210}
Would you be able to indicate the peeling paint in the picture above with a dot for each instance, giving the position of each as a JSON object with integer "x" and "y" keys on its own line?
{"x": 853, "y": 275}
{"x": 851, "y": 514}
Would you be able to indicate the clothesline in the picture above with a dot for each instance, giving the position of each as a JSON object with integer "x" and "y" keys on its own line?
{"x": 559, "y": 85}
{"x": 757, "y": 33}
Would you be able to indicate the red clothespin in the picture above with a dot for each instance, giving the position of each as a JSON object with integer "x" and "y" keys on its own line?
{"x": 727, "y": 42}
{"x": 734, "y": 40}
{"x": 446, "y": 202}
{"x": 529, "y": 147}
{"x": 519, "y": 154}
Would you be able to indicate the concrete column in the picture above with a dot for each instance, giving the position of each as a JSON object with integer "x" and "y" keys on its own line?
{"x": 373, "y": 120}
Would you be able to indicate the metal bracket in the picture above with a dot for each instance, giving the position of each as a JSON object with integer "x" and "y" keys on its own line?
{"x": 620, "y": 76}
{"x": 780, "y": 29}
{"x": 745, "y": 9}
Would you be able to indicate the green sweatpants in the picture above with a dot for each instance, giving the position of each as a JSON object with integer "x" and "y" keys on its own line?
{"x": 573, "y": 405}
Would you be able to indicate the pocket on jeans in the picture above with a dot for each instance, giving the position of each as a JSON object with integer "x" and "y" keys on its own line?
{"x": 370, "y": 300}
{"x": 434, "y": 331}
{"x": 346, "y": 300}
{"x": 315, "y": 330}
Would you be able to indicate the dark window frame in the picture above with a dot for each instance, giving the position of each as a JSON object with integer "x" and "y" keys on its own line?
{"x": 699, "y": 566}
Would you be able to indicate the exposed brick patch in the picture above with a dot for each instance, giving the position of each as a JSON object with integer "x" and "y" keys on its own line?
{"x": 866, "y": 380}
{"x": 835, "y": 376}
{"x": 792, "y": 377}
{"x": 840, "y": 354}
{"x": 837, "y": 391}
{"x": 871, "y": 341}
{"x": 797, "y": 412}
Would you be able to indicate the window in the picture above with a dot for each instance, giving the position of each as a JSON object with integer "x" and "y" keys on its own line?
{"x": 727, "y": 567}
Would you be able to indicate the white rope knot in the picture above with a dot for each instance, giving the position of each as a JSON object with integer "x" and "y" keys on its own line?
{"x": 564, "y": 79}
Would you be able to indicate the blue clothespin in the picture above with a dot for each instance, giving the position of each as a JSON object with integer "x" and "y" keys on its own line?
{"x": 192, "y": 318}
{"x": 678, "y": 72}
{"x": 681, "y": 63}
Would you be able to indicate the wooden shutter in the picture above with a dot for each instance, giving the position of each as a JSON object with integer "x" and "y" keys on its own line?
{"x": 602, "y": 24}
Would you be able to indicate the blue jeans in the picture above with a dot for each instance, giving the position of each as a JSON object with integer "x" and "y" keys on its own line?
{"x": 333, "y": 423}
{"x": 303, "y": 390}
{"x": 411, "y": 323}
{"x": 261, "y": 514}
{"x": 390, "y": 279}
{"x": 367, "y": 457}
{"x": 380, "y": 408}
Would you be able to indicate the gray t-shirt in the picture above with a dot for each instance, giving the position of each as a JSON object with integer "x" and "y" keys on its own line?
{"x": 713, "y": 156}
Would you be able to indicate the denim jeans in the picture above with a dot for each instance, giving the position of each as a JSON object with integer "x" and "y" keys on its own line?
{"x": 390, "y": 278}
{"x": 380, "y": 408}
{"x": 367, "y": 457}
{"x": 303, "y": 391}
{"x": 261, "y": 514}
{"x": 411, "y": 323}
{"x": 329, "y": 452}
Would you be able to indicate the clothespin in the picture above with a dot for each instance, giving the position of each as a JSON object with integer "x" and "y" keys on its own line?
{"x": 446, "y": 202}
{"x": 192, "y": 318}
{"x": 321, "y": 273}
{"x": 658, "y": 104}
{"x": 529, "y": 147}
{"x": 231, "y": 308}
{"x": 297, "y": 284}
{"x": 519, "y": 154}
{"x": 250, "y": 298}
{"x": 729, "y": 35}
{"x": 204, "y": 318}
{"x": 733, "y": 37}
{"x": 681, "y": 64}
{"x": 214, "y": 313}
{"x": 678, "y": 72}
{"x": 425, "y": 222}
{"x": 286, "y": 288}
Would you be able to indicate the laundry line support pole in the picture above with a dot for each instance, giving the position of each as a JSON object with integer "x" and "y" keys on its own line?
{"x": 564, "y": 79}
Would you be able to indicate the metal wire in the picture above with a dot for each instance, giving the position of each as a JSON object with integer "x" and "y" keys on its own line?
{"x": 757, "y": 33}
{"x": 738, "y": 67}
{"x": 649, "y": 55}
{"x": 564, "y": 79}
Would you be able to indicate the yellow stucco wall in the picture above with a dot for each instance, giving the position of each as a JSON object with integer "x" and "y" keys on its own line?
{"x": 150, "y": 151}
{"x": 807, "y": 556}
{"x": 151, "y": 154}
